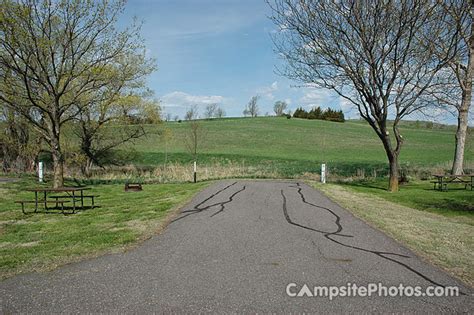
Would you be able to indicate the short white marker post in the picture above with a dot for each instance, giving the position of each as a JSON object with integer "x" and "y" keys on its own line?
{"x": 195, "y": 179}
{"x": 40, "y": 172}
{"x": 323, "y": 173}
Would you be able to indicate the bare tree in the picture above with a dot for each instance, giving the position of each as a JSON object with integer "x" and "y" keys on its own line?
{"x": 220, "y": 112}
{"x": 368, "y": 52}
{"x": 455, "y": 80}
{"x": 124, "y": 106}
{"x": 279, "y": 107}
{"x": 210, "y": 111}
{"x": 194, "y": 138}
{"x": 166, "y": 137}
{"x": 252, "y": 109}
{"x": 108, "y": 124}
{"x": 53, "y": 55}
{"x": 165, "y": 115}
{"x": 191, "y": 113}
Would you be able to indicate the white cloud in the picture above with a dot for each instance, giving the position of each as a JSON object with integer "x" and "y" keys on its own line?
{"x": 324, "y": 98}
{"x": 348, "y": 108}
{"x": 316, "y": 97}
{"x": 182, "y": 99}
{"x": 345, "y": 104}
{"x": 267, "y": 91}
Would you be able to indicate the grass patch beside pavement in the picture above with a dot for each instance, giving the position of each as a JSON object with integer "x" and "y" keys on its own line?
{"x": 457, "y": 202}
{"x": 44, "y": 241}
{"x": 444, "y": 240}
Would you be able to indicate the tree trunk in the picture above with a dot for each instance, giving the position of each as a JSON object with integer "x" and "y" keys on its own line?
{"x": 58, "y": 164}
{"x": 463, "y": 111}
{"x": 460, "y": 140}
{"x": 393, "y": 162}
{"x": 394, "y": 173}
{"x": 88, "y": 167}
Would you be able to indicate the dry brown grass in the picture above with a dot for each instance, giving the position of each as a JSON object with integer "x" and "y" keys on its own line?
{"x": 180, "y": 173}
{"x": 175, "y": 172}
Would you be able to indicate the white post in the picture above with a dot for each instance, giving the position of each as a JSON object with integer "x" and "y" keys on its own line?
{"x": 323, "y": 173}
{"x": 195, "y": 171}
{"x": 40, "y": 172}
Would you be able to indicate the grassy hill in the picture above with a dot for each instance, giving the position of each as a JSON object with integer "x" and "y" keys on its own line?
{"x": 291, "y": 147}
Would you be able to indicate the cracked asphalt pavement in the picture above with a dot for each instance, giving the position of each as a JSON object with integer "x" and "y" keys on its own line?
{"x": 235, "y": 248}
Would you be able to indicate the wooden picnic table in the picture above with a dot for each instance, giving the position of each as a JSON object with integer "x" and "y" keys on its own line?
{"x": 443, "y": 180}
{"x": 70, "y": 191}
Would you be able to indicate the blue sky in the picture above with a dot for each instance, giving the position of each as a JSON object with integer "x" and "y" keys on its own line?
{"x": 217, "y": 51}
{"x": 220, "y": 51}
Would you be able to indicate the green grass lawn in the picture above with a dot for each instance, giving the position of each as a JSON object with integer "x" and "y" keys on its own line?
{"x": 417, "y": 194}
{"x": 41, "y": 241}
{"x": 295, "y": 146}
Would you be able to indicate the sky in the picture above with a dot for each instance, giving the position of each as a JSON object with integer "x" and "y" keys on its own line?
{"x": 221, "y": 51}
{"x": 217, "y": 51}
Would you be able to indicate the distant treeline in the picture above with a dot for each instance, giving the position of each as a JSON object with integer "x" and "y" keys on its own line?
{"x": 318, "y": 113}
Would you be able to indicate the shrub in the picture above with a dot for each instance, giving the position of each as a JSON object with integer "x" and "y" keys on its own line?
{"x": 317, "y": 113}
{"x": 300, "y": 113}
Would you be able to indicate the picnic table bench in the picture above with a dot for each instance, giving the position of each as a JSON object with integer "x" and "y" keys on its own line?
{"x": 442, "y": 181}
{"x": 36, "y": 202}
{"x": 75, "y": 194}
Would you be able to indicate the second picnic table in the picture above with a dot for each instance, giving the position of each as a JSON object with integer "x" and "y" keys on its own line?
{"x": 442, "y": 181}
{"x": 71, "y": 192}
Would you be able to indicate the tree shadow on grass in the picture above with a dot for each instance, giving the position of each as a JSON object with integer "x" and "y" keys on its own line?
{"x": 366, "y": 184}
{"x": 422, "y": 196}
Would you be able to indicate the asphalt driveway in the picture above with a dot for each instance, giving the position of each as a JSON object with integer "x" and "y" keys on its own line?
{"x": 235, "y": 248}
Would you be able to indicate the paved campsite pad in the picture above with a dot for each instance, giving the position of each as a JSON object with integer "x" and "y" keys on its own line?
{"x": 235, "y": 248}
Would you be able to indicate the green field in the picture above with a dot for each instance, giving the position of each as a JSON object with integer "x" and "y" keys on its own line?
{"x": 249, "y": 147}
{"x": 291, "y": 147}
